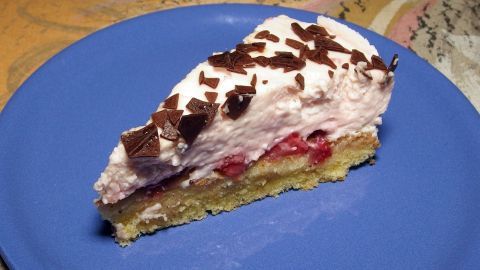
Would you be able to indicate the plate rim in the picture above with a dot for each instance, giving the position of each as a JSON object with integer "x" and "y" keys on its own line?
{"x": 10, "y": 105}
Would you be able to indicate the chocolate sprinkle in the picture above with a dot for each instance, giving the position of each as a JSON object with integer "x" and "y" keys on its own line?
{"x": 159, "y": 118}
{"x": 201, "y": 77}
{"x": 284, "y": 54}
{"x": 245, "y": 89}
{"x": 142, "y": 143}
{"x": 211, "y": 96}
{"x": 174, "y": 116}
{"x": 191, "y": 125}
{"x": 262, "y": 61}
{"x": 235, "y": 105}
{"x": 262, "y": 34}
{"x": 301, "y": 80}
{"x": 345, "y": 65}
{"x": 232, "y": 61}
{"x": 171, "y": 102}
{"x": 330, "y": 73}
{"x": 231, "y": 92}
{"x": 394, "y": 63}
{"x": 169, "y": 132}
{"x": 198, "y": 106}
{"x": 320, "y": 56}
{"x": 288, "y": 62}
{"x": 326, "y": 43}
{"x": 212, "y": 82}
{"x": 253, "y": 82}
{"x": 253, "y": 47}
{"x": 303, "y": 52}
{"x": 294, "y": 44}
{"x": 265, "y": 81}
{"x": 377, "y": 63}
{"x": 273, "y": 38}
{"x": 317, "y": 30}
{"x": 358, "y": 56}
{"x": 301, "y": 33}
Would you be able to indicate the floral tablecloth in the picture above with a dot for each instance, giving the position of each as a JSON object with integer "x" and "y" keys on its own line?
{"x": 444, "y": 32}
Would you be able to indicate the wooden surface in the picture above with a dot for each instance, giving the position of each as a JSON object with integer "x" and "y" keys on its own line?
{"x": 445, "y": 33}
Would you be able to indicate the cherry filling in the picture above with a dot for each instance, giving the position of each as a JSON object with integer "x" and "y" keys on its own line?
{"x": 319, "y": 148}
{"x": 293, "y": 144}
{"x": 316, "y": 146}
{"x": 233, "y": 166}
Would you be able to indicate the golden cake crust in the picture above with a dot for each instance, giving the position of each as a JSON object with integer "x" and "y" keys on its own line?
{"x": 148, "y": 210}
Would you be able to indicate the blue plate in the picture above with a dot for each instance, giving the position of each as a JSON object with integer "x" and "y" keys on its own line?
{"x": 418, "y": 208}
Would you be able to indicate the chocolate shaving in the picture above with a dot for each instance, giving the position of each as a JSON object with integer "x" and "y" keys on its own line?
{"x": 284, "y": 54}
{"x": 358, "y": 56}
{"x": 234, "y": 62}
{"x": 273, "y": 38}
{"x": 212, "y": 82}
{"x": 174, "y": 116}
{"x": 231, "y": 92}
{"x": 328, "y": 44}
{"x": 303, "y": 51}
{"x": 191, "y": 125}
{"x": 394, "y": 63}
{"x": 330, "y": 73}
{"x": 317, "y": 30}
{"x": 201, "y": 77}
{"x": 345, "y": 66}
{"x": 241, "y": 90}
{"x": 253, "y": 82}
{"x": 265, "y": 81}
{"x": 198, "y": 106}
{"x": 169, "y": 132}
{"x": 301, "y": 33}
{"x": 245, "y": 89}
{"x": 320, "y": 56}
{"x": 159, "y": 118}
{"x": 288, "y": 62}
{"x": 377, "y": 63}
{"x": 294, "y": 44}
{"x": 300, "y": 80}
{"x": 262, "y": 61}
{"x": 235, "y": 105}
{"x": 171, "y": 102}
{"x": 211, "y": 96}
{"x": 262, "y": 34}
{"x": 253, "y": 47}
{"x": 142, "y": 143}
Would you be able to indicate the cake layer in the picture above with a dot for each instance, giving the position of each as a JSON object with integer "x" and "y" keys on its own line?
{"x": 150, "y": 209}
{"x": 338, "y": 85}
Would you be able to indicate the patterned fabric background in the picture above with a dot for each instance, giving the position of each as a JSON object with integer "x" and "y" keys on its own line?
{"x": 444, "y": 32}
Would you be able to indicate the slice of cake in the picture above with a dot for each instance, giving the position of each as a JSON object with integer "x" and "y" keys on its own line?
{"x": 294, "y": 105}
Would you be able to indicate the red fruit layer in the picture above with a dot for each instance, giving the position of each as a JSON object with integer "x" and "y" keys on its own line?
{"x": 316, "y": 146}
{"x": 233, "y": 166}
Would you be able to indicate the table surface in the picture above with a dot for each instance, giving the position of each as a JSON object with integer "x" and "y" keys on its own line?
{"x": 446, "y": 33}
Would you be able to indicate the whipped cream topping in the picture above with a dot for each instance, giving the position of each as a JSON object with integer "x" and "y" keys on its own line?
{"x": 348, "y": 102}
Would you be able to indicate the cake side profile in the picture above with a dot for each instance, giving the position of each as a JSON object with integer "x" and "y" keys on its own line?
{"x": 294, "y": 105}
